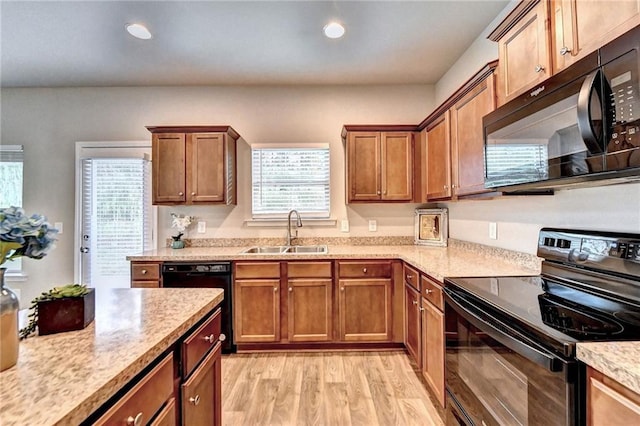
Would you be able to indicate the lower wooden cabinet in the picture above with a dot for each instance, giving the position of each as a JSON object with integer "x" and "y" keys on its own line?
{"x": 201, "y": 392}
{"x": 168, "y": 415}
{"x": 412, "y": 324}
{"x": 256, "y": 310}
{"x": 433, "y": 349}
{"x": 309, "y": 310}
{"x": 609, "y": 402}
{"x": 365, "y": 309}
{"x": 145, "y": 275}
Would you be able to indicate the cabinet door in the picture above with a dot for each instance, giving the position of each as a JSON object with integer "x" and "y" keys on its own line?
{"x": 580, "y": 27}
{"x": 365, "y": 309}
{"x": 439, "y": 159}
{"x": 257, "y": 310}
{"x": 363, "y": 166}
{"x": 168, "y": 168}
{"x": 524, "y": 54}
{"x": 206, "y": 176}
{"x": 397, "y": 166}
{"x": 433, "y": 349}
{"x": 310, "y": 313}
{"x": 412, "y": 323}
{"x": 201, "y": 393}
{"x": 467, "y": 138}
{"x": 610, "y": 403}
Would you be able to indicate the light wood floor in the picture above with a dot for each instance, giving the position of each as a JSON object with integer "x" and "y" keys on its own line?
{"x": 328, "y": 388}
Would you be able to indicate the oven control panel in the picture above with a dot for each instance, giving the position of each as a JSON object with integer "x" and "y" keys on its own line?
{"x": 607, "y": 251}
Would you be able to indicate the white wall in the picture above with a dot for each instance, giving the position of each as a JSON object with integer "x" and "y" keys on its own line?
{"x": 48, "y": 122}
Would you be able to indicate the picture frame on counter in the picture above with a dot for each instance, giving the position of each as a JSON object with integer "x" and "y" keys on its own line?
{"x": 431, "y": 227}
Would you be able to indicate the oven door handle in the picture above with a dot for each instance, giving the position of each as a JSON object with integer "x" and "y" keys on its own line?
{"x": 518, "y": 345}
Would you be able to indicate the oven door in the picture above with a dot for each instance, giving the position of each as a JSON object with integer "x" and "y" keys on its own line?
{"x": 495, "y": 375}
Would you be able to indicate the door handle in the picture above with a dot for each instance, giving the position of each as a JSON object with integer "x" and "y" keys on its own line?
{"x": 584, "y": 113}
{"x": 84, "y": 249}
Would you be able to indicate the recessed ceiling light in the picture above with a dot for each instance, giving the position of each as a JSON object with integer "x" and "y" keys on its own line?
{"x": 139, "y": 31}
{"x": 333, "y": 30}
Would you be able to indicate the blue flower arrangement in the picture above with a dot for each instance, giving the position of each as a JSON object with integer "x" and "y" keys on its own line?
{"x": 24, "y": 236}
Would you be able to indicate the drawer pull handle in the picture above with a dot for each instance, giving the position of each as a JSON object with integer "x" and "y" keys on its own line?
{"x": 364, "y": 270}
{"x": 135, "y": 421}
{"x": 195, "y": 400}
{"x": 222, "y": 337}
{"x": 210, "y": 338}
{"x": 143, "y": 272}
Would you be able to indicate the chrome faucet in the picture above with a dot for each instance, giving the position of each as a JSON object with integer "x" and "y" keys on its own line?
{"x": 298, "y": 225}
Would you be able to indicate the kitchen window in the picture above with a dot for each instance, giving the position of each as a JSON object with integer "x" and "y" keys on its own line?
{"x": 290, "y": 177}
{"x": 11, "y": 176}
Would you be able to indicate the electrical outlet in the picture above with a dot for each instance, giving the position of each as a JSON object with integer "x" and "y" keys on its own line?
{"x": 59, "y": 227}
{"x": 202, "y": 227}
{"x": 373, "y": 225}
{"x": 495, "y": 289}
{"x": 493, "y": 230}
{"x": 344, "y": 225}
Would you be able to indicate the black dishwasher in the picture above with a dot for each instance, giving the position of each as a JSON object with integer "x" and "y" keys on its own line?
{"x": 205, "y": 275}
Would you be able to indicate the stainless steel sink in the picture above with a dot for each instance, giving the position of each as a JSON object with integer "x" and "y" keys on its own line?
{"x": 265, "y": 250}
{"x": 313, "y": 249}
{"x": 319, "y": 249}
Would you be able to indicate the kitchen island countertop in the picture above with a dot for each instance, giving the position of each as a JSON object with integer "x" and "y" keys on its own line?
{"x": 618, "y": 360}
{"x": 62, "y": 378}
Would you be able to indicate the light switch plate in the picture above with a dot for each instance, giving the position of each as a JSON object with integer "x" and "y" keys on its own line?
{"x": 202, "y": 227}
{"x": 373, "y": 225}
{"x": 493, "y": 230}
{"x": 59, "y": 227}
{"x": 344, "y": 225}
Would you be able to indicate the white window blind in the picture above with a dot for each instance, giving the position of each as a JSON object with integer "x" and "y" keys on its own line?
{"x": 290, "y": 178}
{"x": 11, "y": 182}
{"x": 116, "y": 217}
{"x": 516, "y": 163}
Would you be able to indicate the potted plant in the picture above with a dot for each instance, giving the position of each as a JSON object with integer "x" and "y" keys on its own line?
{"x": 181, "y": 223}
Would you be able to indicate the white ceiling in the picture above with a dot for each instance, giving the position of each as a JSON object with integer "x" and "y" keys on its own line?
{"x": 84, "y": 43}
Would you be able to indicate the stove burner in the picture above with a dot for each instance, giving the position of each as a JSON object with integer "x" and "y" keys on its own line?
{"x": 630, "y": 317}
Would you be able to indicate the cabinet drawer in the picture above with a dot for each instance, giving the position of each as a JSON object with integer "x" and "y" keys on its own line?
{"x": 258, "y": 270}
{"x": 196, "y": 345}
{"x": 145, "y": 284}
{"x": 365, "y": 269}
{"x": 145, "y": 271}
{"x": 432, "y": 291}
{"x": 145, "y": 398}
{"x": 309, "y": 269}
{"x": 412, "y": 277}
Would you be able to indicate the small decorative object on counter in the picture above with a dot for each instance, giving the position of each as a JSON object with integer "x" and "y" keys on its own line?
{"x": 181, "y": 223}
{"x": 66, "y": 308}
{"x": 20, "y": 236}
{"x": 431, "y": 227}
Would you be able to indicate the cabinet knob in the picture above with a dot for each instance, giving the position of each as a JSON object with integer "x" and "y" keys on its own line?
{"x": 290, "y": 288}
{"x": 409, "y": 276}
{"x": 195, "y": 400}
{"x": 210, "y": 338}
{"x": 415, "y": 302}
{"x": 364, "y": 270}
{"x": 453, "y": 186}
{"x": 135, "y": 421}
{"x": 181, "y": 193}
{"x": 428, "y": 291}
{"x": 539, "y": 68}
{"x": 445, "y": 187}
{"x": 222, "y": 337}
{"x": 193, "y": 194}
{"x": 143, "y": 272}
{"x": 275, "y": 289}
{"x": 341, "y": 288}
{"x": 378, "y": 192}
{"x": 421, "y": 309}
{"x": 565, "y": 50}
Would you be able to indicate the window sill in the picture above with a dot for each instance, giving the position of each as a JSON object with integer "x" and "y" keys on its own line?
{"x": 15, "y": 276}
{"x": 279, "y": 223}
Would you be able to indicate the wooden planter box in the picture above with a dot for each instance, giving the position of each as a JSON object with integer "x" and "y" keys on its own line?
{"x": 70, "y": 313}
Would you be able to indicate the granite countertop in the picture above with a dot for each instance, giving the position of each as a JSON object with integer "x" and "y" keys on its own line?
{"x": 618, "y": 360}
{"x": 438, "y": 262}
{"x": 62, "y": 378}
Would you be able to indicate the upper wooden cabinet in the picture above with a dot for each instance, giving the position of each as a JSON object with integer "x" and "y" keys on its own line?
{"x": 379, "y": 161}
{"x": 194, "y": 165}
{"x": 451, "y": 146}
{"x": 467, "y": 137}
{"x": 580, "y": 27}
{"x": 524, "y": 51}
{"x": 439, "y": 158}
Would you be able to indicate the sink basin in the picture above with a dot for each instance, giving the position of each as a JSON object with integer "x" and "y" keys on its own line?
{"x": 265, "y": 250}
{"x": 316, "y": 249}
{"x": 307, "y": 249}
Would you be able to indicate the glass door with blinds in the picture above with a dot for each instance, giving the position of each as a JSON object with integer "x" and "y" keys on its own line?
{"x": 116, "y": 218}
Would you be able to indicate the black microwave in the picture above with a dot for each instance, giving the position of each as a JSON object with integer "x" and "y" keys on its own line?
{"x": 580, "y": 127}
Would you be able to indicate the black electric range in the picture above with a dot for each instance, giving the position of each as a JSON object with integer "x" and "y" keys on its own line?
{"x": 527, "y": 328}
